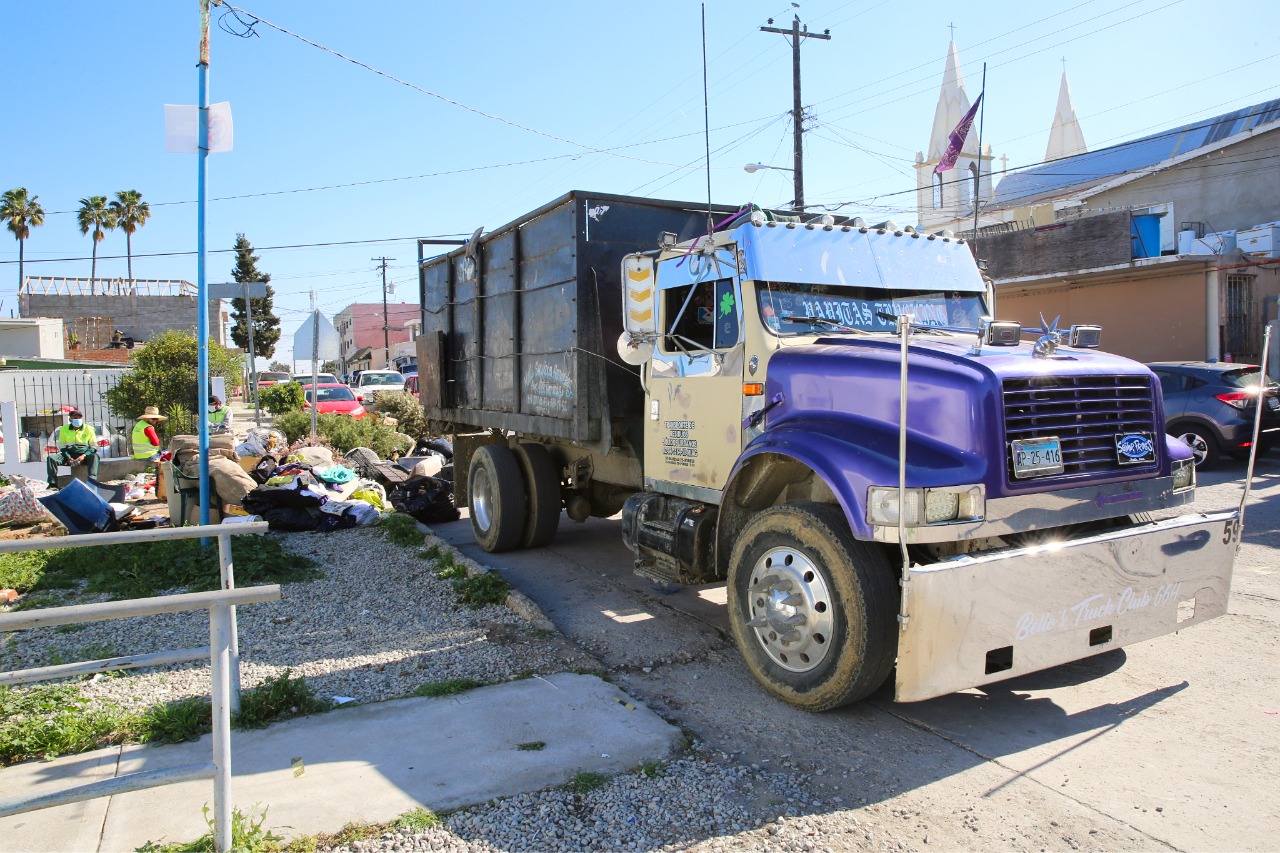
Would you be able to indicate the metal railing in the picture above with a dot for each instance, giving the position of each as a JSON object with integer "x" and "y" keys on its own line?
{"x": 42, "y": 286}
{"x": 222, "y": 653}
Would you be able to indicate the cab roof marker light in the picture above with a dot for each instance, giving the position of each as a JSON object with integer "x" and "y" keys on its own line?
{"x": 772, "y": 224}
{"x": 757, "y": 217}
{"x": 858, "y": 222}
{"x": 791, "y": 225}
{"x": 827, "y": 220}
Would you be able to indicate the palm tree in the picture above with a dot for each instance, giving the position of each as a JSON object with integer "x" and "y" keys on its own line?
{"x": 96, "y": 216}
{"x": 22, "y": 212}
{"x": 130, "y": 213}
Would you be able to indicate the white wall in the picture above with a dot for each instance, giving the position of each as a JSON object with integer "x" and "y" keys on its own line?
{"x": 33, "y": 337}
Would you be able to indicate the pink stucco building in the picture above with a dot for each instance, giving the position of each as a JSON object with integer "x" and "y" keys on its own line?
{"x": 360, "y": 328}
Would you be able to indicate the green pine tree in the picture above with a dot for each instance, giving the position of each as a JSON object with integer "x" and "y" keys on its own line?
{"x": 266, "y": 325}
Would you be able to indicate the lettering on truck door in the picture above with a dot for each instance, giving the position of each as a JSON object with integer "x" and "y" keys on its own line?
{"x": 693, "y": 429}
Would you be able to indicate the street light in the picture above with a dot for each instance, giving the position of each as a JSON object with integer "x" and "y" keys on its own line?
{"x": 755, "y": 167}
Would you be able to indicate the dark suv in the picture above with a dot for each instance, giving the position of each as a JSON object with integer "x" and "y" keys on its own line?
{"x": 1211, "y": 406}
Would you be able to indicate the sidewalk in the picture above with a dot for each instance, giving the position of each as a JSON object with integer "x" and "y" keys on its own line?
{"x": 365, "y": 763}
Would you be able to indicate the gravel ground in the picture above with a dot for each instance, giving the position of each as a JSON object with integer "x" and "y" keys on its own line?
{"x": 379, "y": 624}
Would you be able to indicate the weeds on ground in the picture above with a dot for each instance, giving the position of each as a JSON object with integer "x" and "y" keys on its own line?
{"x": 651, "y": 769}
{"x": 532, "y": 746}
{"x": 247, "y": 836}
{"x": 446, "y": 688}
{"x": 402, "y": 530}
{"x": 586, "y": 782}
{"x": 48, "y": 721}
{"x": 144, "y": 569}
{"x": 452, "y": 572}
{"x": 175, "y": 722}
{"x": 419, "y": 820}
{"x": 478, "y": 590}
{"x": 277, "y": 698}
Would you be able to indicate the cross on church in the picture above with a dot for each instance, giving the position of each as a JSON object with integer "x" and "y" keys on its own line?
{"x": 1064, "y": 65}
{"x": 952, "y": 27}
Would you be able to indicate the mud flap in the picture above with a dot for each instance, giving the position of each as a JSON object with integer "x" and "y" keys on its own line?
{"x": 975, "y": 620}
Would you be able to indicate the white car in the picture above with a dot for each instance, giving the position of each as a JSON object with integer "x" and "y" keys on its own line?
{"x": 371, "y": 382}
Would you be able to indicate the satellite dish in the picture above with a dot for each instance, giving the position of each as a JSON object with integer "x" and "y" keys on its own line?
{"x": 634, "y": 351}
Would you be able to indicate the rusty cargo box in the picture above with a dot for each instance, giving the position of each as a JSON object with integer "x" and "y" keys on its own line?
{"x": 520, "y": 326}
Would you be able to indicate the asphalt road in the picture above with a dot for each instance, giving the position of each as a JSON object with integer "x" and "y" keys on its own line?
{"x": 1169, "y": 744}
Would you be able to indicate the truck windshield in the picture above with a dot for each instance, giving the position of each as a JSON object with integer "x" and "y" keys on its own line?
{"x": 790, "y": 308}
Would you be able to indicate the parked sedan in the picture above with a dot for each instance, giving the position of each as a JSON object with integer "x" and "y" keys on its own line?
{"x": 332, "y": 399}
{"x": 1211, "y": 407}
{"x": 267, "y": 378}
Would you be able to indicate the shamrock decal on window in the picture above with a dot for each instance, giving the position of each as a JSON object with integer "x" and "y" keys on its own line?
{"x": 726, "y": 304}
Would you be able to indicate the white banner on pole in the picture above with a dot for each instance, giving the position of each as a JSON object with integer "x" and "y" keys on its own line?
{"x": 182, "y": 128}
{"x": 329, "y": 348}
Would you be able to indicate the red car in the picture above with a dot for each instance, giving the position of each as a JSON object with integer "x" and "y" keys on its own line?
{"x": 332, "y": 399}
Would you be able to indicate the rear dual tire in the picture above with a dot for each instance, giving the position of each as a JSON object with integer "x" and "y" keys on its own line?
{"x": 514, "y": 497}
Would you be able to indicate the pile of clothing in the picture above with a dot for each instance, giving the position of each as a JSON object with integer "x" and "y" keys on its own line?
{"x": 302, "y": 491}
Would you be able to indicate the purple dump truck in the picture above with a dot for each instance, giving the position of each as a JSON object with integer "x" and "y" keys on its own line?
{"x": 825, "y": 416}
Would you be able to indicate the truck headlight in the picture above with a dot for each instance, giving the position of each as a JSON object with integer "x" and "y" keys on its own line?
{"x": 940, "y": 505}
{"x": 1184, "y": 474}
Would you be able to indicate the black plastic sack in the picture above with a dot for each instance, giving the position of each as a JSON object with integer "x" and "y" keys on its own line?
{"x": 265, "y": 498}
{"x": 290, "y": 519}
{"x": 428, "y": 499}
{"x": 264, "y": 469}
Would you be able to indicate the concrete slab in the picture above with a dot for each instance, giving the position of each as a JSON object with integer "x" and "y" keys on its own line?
{"x": 77, "y": 826}
{"x": 365, "y": 763}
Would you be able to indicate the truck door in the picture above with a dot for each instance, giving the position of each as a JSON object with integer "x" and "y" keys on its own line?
{"x": 693, "y": 426}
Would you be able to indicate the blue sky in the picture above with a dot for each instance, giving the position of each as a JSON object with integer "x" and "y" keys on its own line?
{"x": 83, "y": 113}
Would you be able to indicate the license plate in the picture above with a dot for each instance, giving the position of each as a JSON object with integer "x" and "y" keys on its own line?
{"x": 1273, "y": 403}
{"x": 1036, "y": 457}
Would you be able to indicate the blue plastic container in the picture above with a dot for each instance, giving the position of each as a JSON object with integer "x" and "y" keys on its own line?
{"x": 1144, "y": 232}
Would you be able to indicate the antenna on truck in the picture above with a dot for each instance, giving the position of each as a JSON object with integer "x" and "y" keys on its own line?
{"x": 706, "y": 121}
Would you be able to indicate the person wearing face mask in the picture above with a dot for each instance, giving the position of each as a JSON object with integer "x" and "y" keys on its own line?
{"x": 219, "y": 416}
{"x": 77, "y": 444}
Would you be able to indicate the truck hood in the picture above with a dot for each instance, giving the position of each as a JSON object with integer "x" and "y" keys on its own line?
{"x": 963, "y": 408}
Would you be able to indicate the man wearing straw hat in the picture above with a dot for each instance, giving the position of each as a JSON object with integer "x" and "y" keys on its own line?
{"x": 146, "y": 442}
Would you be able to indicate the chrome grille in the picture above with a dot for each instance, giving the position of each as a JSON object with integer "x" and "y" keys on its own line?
{"x": 1084, "y": 412}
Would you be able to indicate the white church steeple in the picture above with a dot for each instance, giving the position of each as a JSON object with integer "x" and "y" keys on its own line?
{"x": 947, "y": 198}
{"x": 1065, "y": 138}
{"x": 953, "y": 103}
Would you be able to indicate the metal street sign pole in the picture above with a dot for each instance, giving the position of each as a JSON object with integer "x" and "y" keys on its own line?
{"x": 245, "y": 290}
{"x": 202, "y": 300}
{"x": 253, "y": 358}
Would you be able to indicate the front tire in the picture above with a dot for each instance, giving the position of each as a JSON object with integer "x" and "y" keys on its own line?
{"x": 813, "y": 610}
{"x": 497, "y": 500}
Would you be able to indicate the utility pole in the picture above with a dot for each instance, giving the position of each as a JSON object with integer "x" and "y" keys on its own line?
{"x": 386, "y": 333}
{"x": 797, "y": 112}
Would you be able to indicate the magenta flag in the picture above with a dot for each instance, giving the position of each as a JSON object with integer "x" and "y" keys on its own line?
{"x": 956, "y": 140}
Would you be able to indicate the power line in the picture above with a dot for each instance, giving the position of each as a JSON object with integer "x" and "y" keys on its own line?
{"x": 255, "y": 248}
{"x": 437, "y": 95}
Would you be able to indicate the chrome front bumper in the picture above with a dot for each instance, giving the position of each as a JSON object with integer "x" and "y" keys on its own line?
{"x": 975, "y": 620}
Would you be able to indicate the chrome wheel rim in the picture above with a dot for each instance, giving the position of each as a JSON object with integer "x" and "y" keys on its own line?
{"x": 482, "y": 500}
{"x": 791, "y": 611}
{"x": 1199, "y": 447}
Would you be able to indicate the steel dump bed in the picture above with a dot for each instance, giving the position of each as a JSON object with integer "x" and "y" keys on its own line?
{"x": 520, "y": 326}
